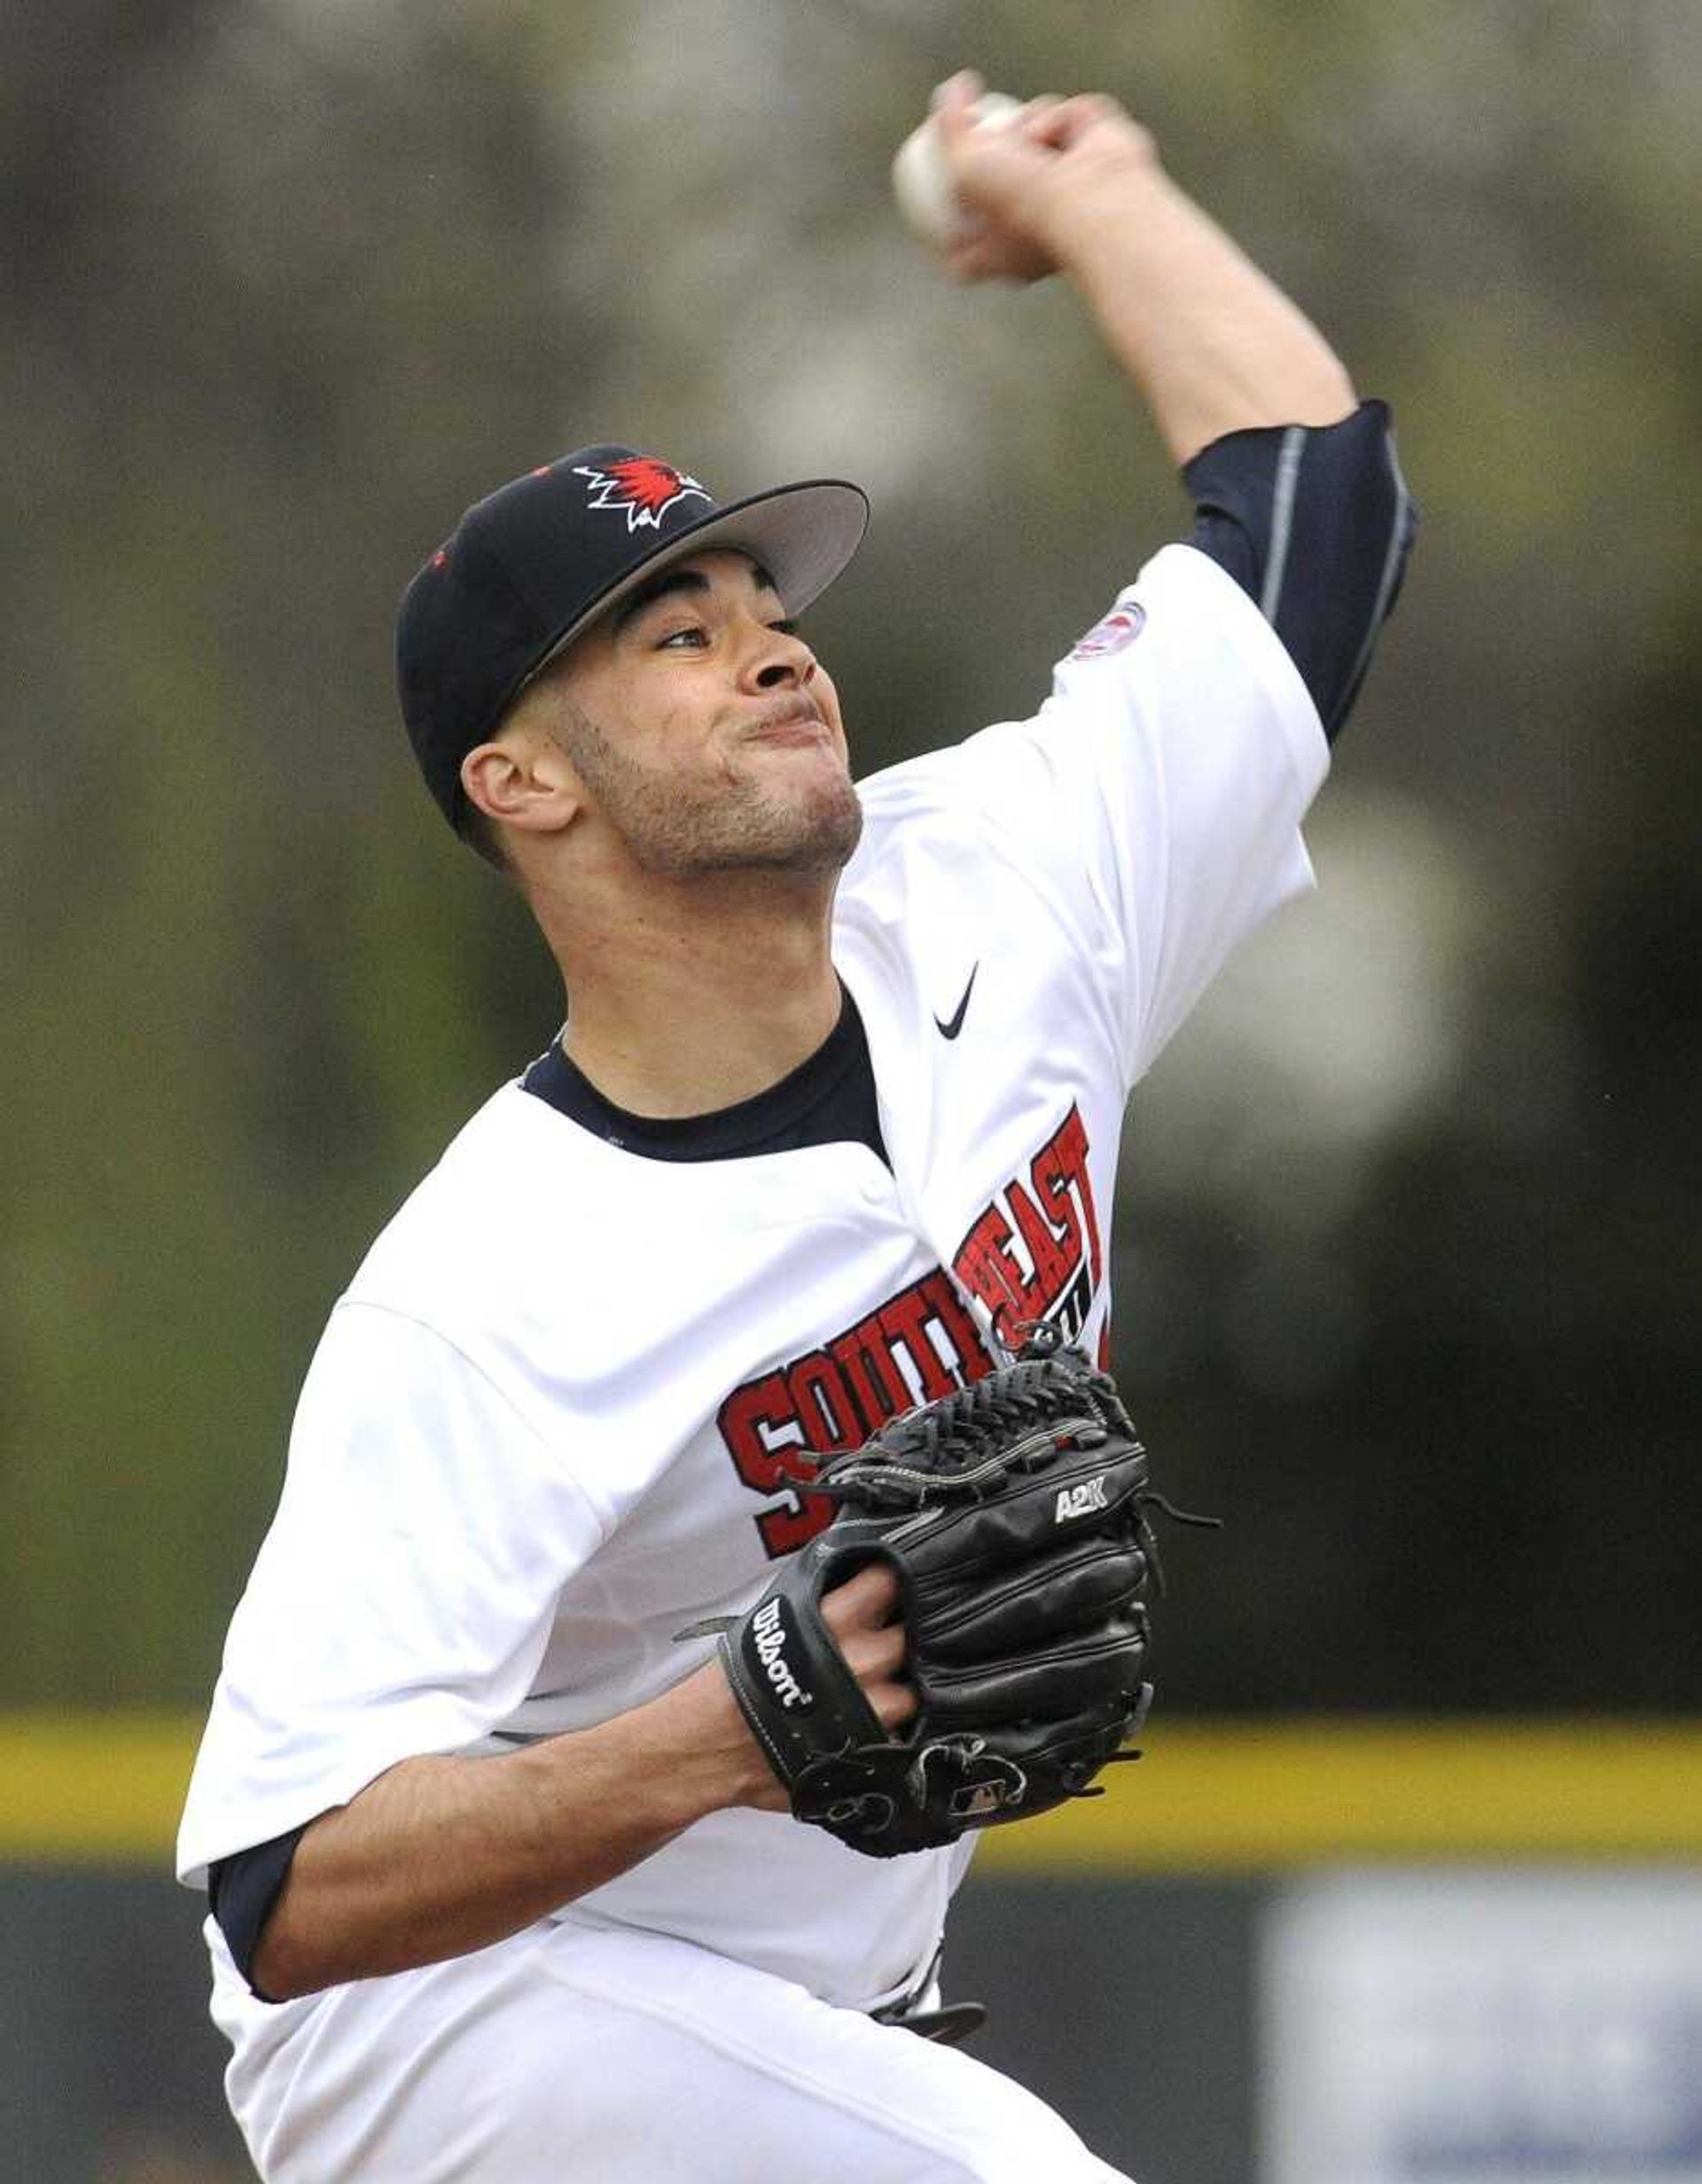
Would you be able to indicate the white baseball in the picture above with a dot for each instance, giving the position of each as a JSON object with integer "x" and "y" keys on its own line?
{"x": 921, "y": 181}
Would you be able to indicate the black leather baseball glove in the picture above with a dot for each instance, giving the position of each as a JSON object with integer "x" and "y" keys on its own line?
{"x": 1012, "y": 1512}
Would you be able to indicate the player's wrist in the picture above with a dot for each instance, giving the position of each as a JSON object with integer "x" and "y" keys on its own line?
{"x": 1098, "y": 220}
{"x": 717, "y": 1763}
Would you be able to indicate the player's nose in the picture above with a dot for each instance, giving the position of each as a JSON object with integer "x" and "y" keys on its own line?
{"x": 778, "y": 659}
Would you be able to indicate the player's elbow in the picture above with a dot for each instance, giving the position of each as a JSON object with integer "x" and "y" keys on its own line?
{"x": 287, "y": 1964}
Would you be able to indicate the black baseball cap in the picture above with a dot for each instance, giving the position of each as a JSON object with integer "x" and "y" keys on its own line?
{"x": 530, "y": 567}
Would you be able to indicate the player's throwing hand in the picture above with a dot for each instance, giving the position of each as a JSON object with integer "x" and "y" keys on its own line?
{"x": 1051, "y": 163}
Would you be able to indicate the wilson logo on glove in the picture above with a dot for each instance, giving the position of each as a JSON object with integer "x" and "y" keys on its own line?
{"x": 1083, "y": 1500}
{"x": 769, "y": 1636}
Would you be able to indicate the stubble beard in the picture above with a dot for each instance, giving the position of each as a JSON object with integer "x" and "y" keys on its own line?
{"x": 742, "y": 827}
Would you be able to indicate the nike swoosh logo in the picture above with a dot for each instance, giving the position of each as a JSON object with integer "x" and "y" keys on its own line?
{"x": 950, "y": 1029}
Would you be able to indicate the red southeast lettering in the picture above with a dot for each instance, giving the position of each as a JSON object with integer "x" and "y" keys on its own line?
{"x": 1071, "y": 1147}
{"x": 871, "y": 1378}
{"x": 823, "y": 1404}
{"x": 984, "y": 1266}
{"x": 751, "y": 1421}
{"x": 1052, "y": 1266}
{"x": 904, "y": 1318}
{"x": 973, "y": 1357}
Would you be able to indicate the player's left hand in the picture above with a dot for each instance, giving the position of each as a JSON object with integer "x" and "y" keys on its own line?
{"x": 1022, "y": 184}
{"x": 864, "y": 1616}
{"x": 708, "y": 1730}
{"x": 1004, "y": 1525}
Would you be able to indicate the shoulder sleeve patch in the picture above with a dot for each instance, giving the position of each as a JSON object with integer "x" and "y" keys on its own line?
{"x": 1110, "y": 633}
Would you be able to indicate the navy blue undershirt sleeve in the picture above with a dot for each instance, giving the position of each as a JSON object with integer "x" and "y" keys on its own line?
{"x": 1315, "y": 525}
{"x": 241, "y": 1891}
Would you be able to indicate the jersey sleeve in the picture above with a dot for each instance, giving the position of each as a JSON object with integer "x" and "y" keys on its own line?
{"x": 1156, "y": 798}
{"x": 403, "y": 1596}
{"x": 1316, "y": 525}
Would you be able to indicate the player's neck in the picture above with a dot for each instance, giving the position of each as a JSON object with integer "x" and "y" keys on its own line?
{"x": 699, "y": 999}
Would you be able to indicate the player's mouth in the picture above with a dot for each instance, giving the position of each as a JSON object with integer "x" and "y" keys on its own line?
{"x": 798, "y": 724}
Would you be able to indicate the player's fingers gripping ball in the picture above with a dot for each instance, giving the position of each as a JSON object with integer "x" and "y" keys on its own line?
{"x": 922, "y": 179}
{"x": 1014, "y": 1515}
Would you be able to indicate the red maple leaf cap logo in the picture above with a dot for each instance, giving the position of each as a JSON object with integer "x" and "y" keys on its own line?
{"x": 642, "y": 487}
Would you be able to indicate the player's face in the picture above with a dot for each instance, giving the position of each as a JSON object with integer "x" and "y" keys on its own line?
{"x": 704, "y": 730}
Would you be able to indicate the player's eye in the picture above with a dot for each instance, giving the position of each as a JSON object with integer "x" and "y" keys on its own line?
{"x": 694, "y": 635}
{"x": 787, "y": 629}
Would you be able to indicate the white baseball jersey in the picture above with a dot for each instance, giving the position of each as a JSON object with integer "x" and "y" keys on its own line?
{"x": 550, "y": 1423}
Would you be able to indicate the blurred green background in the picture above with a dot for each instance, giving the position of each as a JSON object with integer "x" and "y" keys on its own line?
{"x": 1408, "y": 1261}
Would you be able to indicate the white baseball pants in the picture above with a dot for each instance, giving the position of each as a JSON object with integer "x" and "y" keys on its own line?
{"x": 569, "y": 2055}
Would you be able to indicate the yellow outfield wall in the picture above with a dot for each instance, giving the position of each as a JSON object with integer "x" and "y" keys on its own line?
{"x": 105, "y": 1789}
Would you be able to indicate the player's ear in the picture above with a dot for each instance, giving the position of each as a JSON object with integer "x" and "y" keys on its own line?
{"x": 524, "y": 779}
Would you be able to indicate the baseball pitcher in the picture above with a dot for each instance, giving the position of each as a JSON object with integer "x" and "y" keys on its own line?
{"x": 708, "y": 1508}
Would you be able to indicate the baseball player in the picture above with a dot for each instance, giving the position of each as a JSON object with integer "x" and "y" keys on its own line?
{"x": 502, "y": 1887}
